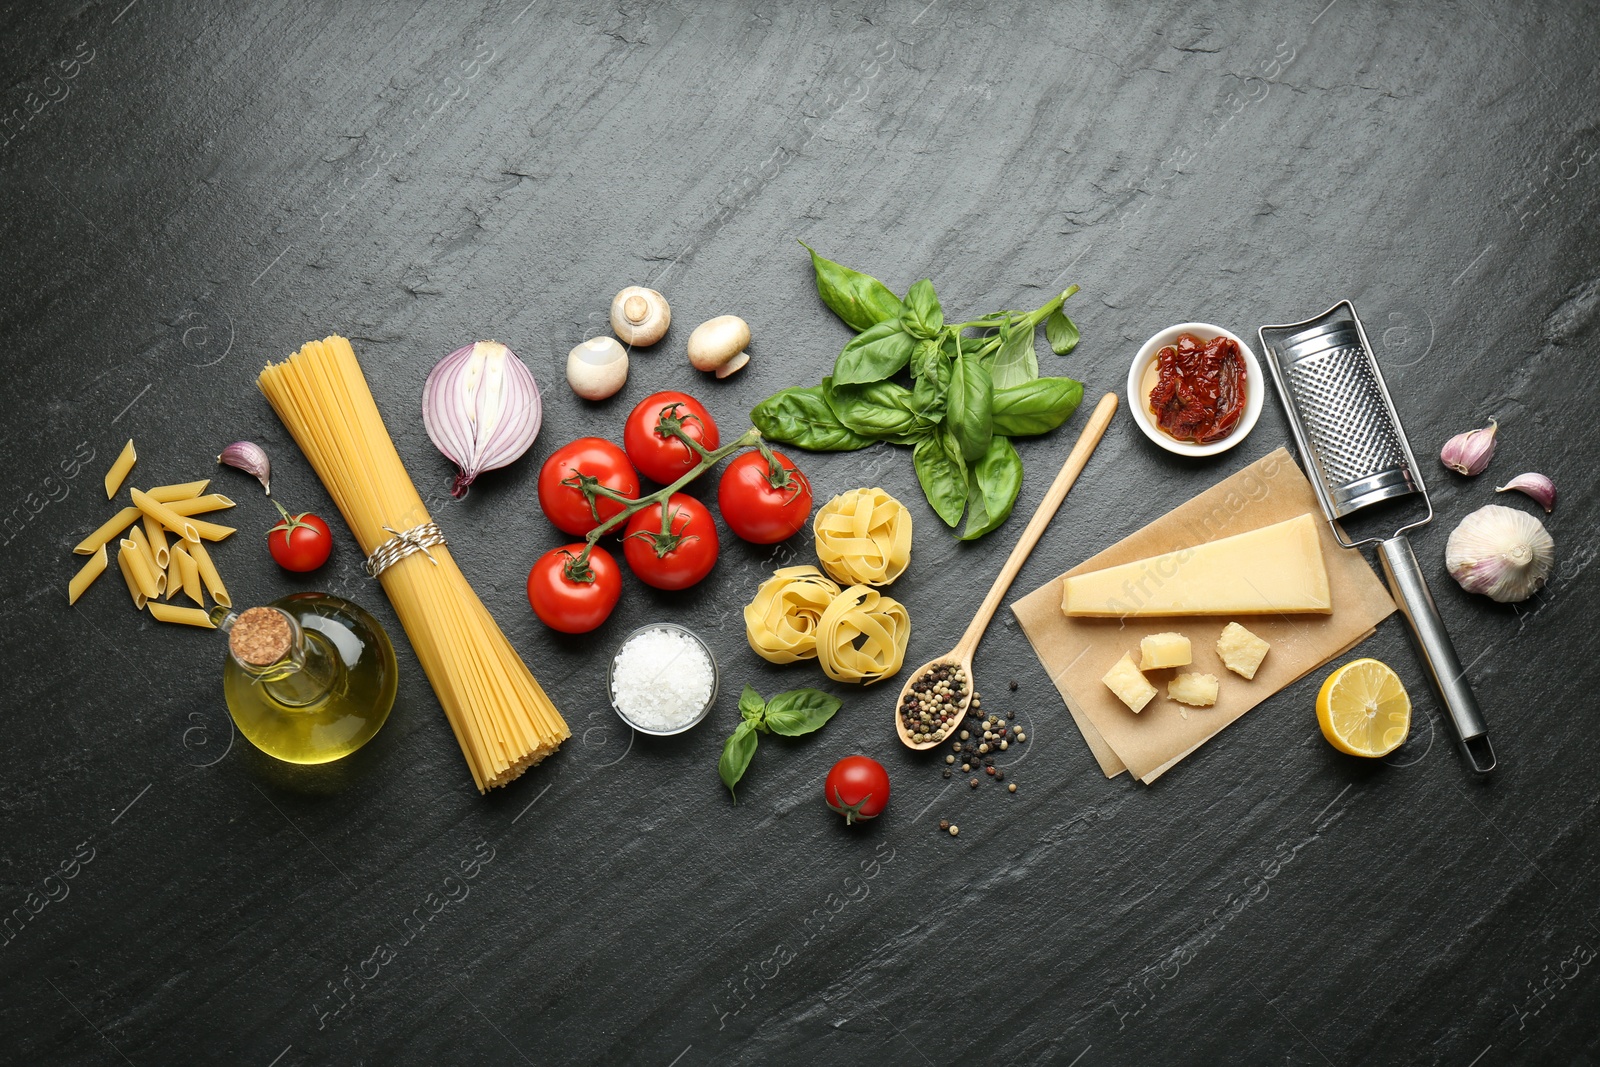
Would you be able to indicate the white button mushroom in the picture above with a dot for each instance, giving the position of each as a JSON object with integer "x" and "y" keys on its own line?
{"x": 719, "y": 345}
{"x": 640, "y": 316}
{"x": 597, "y": 368}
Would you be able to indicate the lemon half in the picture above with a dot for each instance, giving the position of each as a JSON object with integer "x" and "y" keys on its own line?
{"x": 1363, "y": 709}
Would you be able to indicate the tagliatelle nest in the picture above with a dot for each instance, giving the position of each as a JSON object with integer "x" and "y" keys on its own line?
{"x": 863, "y": 537}
{"x": 862, "y": 636}
{"x": 781, "y": 622}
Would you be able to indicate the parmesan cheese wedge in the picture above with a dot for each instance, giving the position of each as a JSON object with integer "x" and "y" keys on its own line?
{"x": 1276, "y": 570}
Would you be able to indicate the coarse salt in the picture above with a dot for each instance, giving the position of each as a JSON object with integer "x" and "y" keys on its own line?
{"x": 662, "y": 679}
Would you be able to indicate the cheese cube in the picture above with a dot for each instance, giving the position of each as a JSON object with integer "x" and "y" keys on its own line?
{"x": 1164, "y": 650}
{"x": 1197, "y": 690}
{"x": 1241, "y": 650}
{"x": 1131, "y": 687}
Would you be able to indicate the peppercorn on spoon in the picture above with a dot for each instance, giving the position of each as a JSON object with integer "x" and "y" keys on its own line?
{"x": 947, "y": 694}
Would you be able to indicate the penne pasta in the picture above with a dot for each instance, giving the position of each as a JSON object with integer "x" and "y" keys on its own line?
{"x": 86, "y": 575}
{"x": 157, "y": 572}
{"x": 141, "y": 569}
{"x": 165, "y": 494}
{"x": 166, "y": 516}
{"x": 208, "y": 573}
{"x": 210, "y": 531}
{"x": 119, "y": 470}
{"x": 125, "y": 557}
{"x": 199, "y": 504}
{"x": 174, "y": 575}
{"x": 156, "y": 534}
{"x": 183, "y": 616}
{"x": 189, "y": 572}
{"x": 108, "y": 532}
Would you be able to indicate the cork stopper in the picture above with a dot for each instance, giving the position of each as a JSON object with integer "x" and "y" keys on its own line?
{"x": 260, "y": 637}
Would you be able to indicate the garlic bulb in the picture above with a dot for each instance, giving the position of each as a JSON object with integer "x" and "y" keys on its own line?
{"x": 1500, "y": 552}
{"x": 481, "y": 408}
{"x": 597, "y": 368}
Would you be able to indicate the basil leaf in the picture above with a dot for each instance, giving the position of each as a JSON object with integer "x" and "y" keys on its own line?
{"x": 992, "y": 488}
{"x": 802, "y": 417}
{"x": 1014, "y": 362}
{"x": 874, "y": 354}
{"x": 968, "y": 409}
{"x": 923, "y": 316}
{"x": 1060, "y": 332}
{"x": 1038, "y": 406}
{"x": 930, "y": 392}
{"x": 876, "y": 409}
{"x": 800, "y": 711}
{"x": 751, "y": 705}
{"x": 736, "y": 756}
{"x": 861, "y": 300}
{"x": 943, "y": 476}
{"x": 927, "y": 356}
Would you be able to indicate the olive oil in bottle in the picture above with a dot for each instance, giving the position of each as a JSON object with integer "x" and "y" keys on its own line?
{"x": 309, "y": 678}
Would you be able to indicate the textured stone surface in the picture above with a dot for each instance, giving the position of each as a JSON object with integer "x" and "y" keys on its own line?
{"x": 191, "y": 191}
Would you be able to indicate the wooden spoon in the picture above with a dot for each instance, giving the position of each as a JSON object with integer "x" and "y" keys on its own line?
{"x": 961, "y": 655}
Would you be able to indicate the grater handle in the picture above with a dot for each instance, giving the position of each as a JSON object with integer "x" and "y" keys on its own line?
{"x": 1438, "y": 654}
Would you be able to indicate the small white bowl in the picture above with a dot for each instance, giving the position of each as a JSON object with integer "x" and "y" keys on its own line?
{"x": 716, "y": 680}
{"x": 1255, "y": 390}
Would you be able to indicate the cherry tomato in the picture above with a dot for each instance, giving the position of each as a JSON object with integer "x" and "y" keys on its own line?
{"x": 678, "y": 559}
{"x": 299, "y": 542}
{"x": 763, "y": 503}
{"x": 661, "y": 456}
{"x": 857, "y": 788}
{"x": 571, "y": 598}
{"x": 588, "y": 460}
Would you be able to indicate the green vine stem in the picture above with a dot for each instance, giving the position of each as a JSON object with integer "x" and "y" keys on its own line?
{"x": 578, "y": 565}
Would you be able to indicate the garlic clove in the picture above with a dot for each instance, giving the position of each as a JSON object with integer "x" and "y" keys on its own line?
{"x": 597, "y": 368}
{"x": 640, "y": 316}
{"x": 1538, "y": 486}
{"x": 1501, "y": 552}
{"x": 733, "y": 364}
{"x": 1469, "y": 453}
{"x": 252, "y": 459}
{"x": 718, "y": 342}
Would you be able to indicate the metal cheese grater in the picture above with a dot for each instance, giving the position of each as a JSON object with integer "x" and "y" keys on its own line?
{"x": 1345, "y": 425}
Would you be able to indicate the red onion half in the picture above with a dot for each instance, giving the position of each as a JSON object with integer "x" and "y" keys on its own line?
{"x": 481, "y": 409}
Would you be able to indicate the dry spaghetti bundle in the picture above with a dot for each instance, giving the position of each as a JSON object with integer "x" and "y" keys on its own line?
{"x": 501, "y": 717}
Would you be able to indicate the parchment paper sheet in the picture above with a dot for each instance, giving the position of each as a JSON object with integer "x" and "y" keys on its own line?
{"x": 1078, "y": 652}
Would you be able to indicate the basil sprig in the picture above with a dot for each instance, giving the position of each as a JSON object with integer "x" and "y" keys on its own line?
{"x": 791, "y": 714}
{"x": 974, "y": 385}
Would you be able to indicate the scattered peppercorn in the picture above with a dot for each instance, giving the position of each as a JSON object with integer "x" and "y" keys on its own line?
{"x": 947, "y": 772}
{"x": 1021, "y": 736}
{"x": 973, "y": 783}
{"x": 1013, "y": 689}
{"x": 1011, "y": 715}
{"x": 965, "y": 767}
{"x": 949, "y": 759}
{"x": 954, "y": 830}
{"x": 989, "y": 770}
{"x": 944, "y": 824}
{"x": 1012, "y": 788}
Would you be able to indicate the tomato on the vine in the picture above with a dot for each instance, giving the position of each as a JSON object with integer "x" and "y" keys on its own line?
{"x": 764, "y": 500}
{"x": 299, "y": 542}
{"x": 588, "y": 461}
{"x": 679, "y": 557}
{"x": 660, "y": 454}
{"x": 572, "y": 597}
{"x": 857, "y": 788}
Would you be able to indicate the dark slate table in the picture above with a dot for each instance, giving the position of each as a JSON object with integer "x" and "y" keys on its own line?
{"x": 191, "y": 191}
